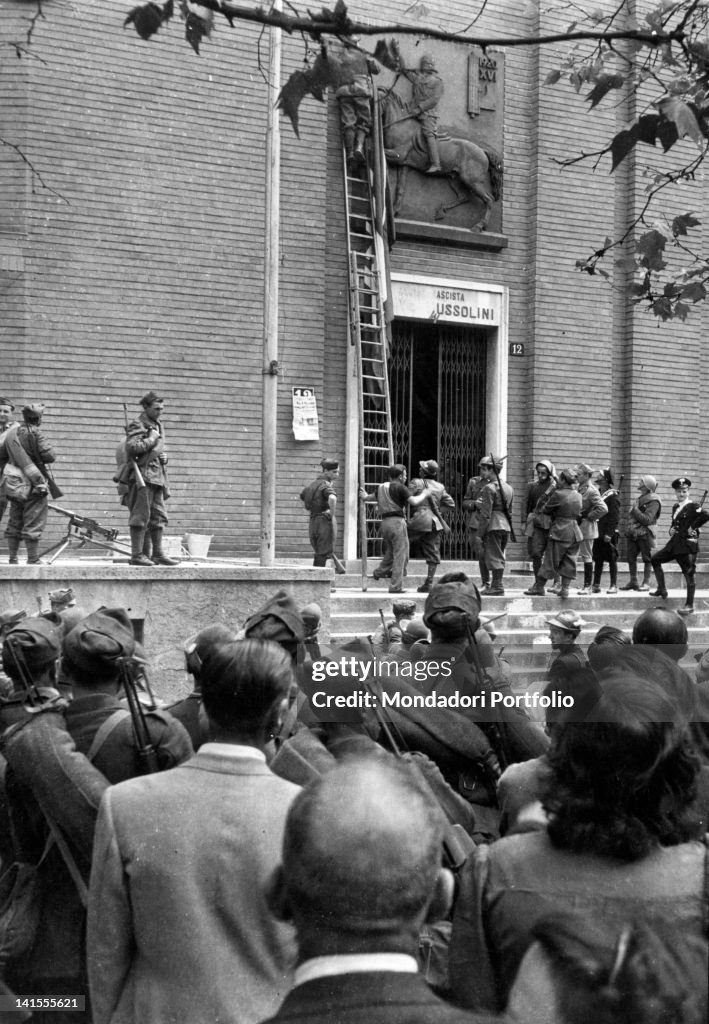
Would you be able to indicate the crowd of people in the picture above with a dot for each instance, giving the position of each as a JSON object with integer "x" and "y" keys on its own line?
{"x": 256, "y": 853}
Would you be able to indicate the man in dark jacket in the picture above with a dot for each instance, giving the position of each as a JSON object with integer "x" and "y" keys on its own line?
{"x": 360, "y": 875}
{"x": 564, "y": 510}
{"x": 320, "y": 501}
{"x": 605, "y": 546}
{"x": 683, "y": 545}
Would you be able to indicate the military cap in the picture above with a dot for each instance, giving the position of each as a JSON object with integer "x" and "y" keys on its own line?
{"x": 569, "y": 475}
{"x": 649, "y": 482}
{"x": 311, "y": 615}
{"x": 452, "y": 604}
{"x": 278, "y": 620}
{"x": 681, "y": 481}
{"x": 428, "y": 63}
{"x": 198, "y": 646}
{"x": 429, "y": 467}
{"x": 567, "y": 620}
{"x": 583, "y": 467}
{"x": 149, "y": 398}
{"x": 329, "y": 464}
{"x": 607, "y": 475}
{"x": 405, "y": 607}
{"x": 11, "y": 617}
{"x": 7, "y": 402}
{"x": 100, "y": 639}
{"x": 36, "y": 639}
{"x": 63, "y": 598}
{"x": 413, "y": 630}
{"x": 35, "y": 409}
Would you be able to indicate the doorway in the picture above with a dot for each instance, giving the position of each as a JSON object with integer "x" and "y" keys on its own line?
{"x": 437, "y": 380}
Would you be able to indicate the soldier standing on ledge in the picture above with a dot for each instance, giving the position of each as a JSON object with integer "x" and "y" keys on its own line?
{"x": 683, "y": 545}
{"x": 145, "y": 449}
{"x": 6, "y": 421}
{"x": 320, "y": 500}
{"x": 24, "y": 445}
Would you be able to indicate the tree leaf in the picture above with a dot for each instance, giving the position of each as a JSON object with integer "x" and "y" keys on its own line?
{"x": 199, "y": 22}
{"x": 681, "y": 224}
{"x": 681, "y": 310}
{"x": 604, "y": 84}
{"x": 552, "y": 78}
{"x": 681, "y": 115}
{"x": 147, "y": 19}
{"x": 622, "y": 144}
{"x": 313, "y": 81}
{"x": 667, "y": 134}
{"x": 694, "y": 292}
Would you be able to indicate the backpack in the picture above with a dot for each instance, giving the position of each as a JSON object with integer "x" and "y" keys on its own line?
{"x": 15, "y": 485}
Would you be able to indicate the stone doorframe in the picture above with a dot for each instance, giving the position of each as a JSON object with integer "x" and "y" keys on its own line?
{"x": 447, "y": 300}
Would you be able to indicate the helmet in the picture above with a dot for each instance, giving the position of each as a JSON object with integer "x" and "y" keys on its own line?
{"x": 428, "y": 63}
{"x": 491, "y": 461}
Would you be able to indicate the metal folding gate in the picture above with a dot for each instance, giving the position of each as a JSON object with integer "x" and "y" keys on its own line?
{"x": 437, "y": 378}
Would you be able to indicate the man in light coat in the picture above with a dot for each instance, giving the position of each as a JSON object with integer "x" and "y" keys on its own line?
{"x": 178, "y": 926}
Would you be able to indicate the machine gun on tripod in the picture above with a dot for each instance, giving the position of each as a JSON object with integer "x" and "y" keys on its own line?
{"x": 81, "y": 531}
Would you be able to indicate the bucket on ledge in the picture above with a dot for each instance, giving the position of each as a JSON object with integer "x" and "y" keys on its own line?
{"x": 198, "y": 544}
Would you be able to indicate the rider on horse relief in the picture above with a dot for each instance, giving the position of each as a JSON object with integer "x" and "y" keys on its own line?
{"x": 426, "y": 93}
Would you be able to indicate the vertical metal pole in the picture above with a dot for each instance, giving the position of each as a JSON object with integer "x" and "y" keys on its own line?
{"x": 269, "y": 411}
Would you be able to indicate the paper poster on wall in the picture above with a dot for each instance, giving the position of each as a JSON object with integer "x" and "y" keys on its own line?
{"x": 305, "y": 415}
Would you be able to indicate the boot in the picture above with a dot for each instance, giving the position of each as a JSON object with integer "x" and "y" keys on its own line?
{"x": 661, "y": 588}
{"x": 434, "y": 165}
{"x": 358, "y": 154}
{"x": 537, "y": 588}
{"x": 137, "y": 539}
{"x": 13, "y": 549}
{"x": 564, "y": 591}
{"x": 689, "y": 603}
{"x": 632, "y": 583}
{"x": 613, "y": 570}
{"x": 597, "y": 573}
{"x": 484, "y": 575}
{"x": 33, "y": 553}
{"x": 426, "y": 585}
{"x": 536, "y": 565}
{"x": 159, "y": 556}
{"x": 555, "y": 588}
{"x": 647, "y": 576}
{"x": 496, "y": 589}
{"x": 148, "y": 546}
{"x": 587, "y": 576}
{"x": 348, "y": 141}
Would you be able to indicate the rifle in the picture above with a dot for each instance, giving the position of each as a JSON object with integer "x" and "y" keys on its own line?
{"x": 457, "y": 844}
{"x": 52, "y": 485}
{"x": 84, "y": 531}
{"x": 147, "y": 753}
{"x": 140, "y": 482}
{"x": 505, "y": 509}
{"x": 498, "y": 761}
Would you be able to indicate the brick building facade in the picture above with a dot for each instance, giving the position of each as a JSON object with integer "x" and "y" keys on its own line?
{"x": 131, "y": 256}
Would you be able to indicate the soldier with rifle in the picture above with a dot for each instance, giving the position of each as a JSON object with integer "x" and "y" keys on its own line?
{"x": 120, "y": 743}
{"x": 142, "y": 483}
{"x": 495, "y": 522}
{"x": 683, "y": 546}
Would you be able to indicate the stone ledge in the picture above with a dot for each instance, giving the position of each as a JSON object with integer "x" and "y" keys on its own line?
{"x": 461, "y": 237}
